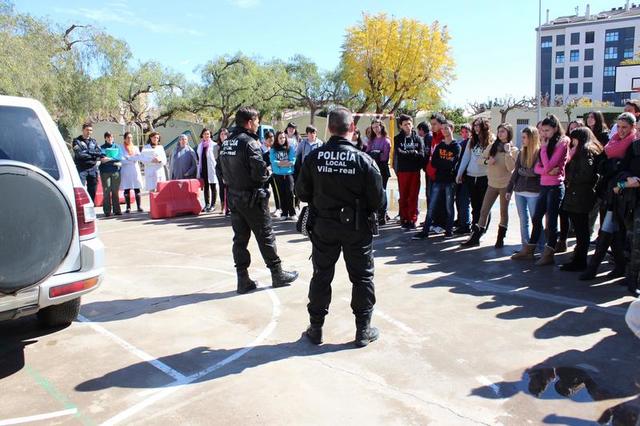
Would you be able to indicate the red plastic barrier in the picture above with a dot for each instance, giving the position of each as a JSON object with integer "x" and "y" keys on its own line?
{"x": 100, "y": 196}
{"x": 174, "y": 198}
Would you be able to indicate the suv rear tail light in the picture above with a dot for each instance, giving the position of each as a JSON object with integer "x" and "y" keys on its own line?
{"x": 62, "y": 290}
{"x": 85, "y": 212}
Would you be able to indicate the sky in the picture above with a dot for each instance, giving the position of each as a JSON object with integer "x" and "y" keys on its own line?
{"x": 493, "y": 41}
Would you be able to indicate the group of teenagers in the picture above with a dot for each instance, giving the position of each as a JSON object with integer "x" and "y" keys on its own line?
{"x": 562, "y": 183}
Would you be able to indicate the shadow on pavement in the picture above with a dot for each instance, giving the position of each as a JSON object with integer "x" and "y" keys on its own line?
{"x": 193, "y": 361}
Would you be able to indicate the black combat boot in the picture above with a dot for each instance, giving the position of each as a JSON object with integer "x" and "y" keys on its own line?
{"x": 245, "y": 284}
{"x": 502, "y": 232}
{"x": 280, "y": 278}
{"x": 314, "y": 334}
{"x": 602, "y": 244}
{"x": 474, "y": 240}
{"x": 365, "y": 335}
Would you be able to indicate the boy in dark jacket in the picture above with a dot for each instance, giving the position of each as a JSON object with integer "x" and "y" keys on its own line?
{"x": 410, "y": 158}
{"x": 444, "y": 160}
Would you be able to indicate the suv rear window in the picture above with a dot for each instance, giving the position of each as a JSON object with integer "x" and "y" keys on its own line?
{"x": 22, "y": 138}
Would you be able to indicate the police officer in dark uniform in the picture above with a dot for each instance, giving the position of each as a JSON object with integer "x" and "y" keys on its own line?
{"x": 343, "y": 187}
{"x": 245, "y": 174}
{"x": 86, "y": 155}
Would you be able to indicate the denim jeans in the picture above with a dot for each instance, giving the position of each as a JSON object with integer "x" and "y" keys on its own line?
{"x": 463, "y": 205}
{"x": 548, "y": 204}
{"x": 526, "y": 209}
{"x": 441, "y": 191}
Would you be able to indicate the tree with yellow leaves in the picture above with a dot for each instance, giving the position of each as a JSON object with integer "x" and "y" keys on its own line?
{"x": 395, "y": 61}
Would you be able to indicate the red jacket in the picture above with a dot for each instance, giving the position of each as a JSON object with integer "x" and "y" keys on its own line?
{"x": 437, "y": 138}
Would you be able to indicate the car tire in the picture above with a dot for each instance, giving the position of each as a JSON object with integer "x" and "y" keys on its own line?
{"x": 59, "y": 315}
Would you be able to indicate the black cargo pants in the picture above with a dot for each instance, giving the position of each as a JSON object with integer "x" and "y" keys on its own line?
{"x": 246, "y": 219}
{"x": 330, "y": 237}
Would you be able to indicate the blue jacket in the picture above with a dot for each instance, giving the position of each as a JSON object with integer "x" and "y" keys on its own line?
{"x": 281, "y": 155}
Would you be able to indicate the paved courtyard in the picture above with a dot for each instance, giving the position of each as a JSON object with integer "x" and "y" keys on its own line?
{"x": 467, "y": 337}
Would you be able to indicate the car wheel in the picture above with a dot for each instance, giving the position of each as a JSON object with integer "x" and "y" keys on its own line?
{"x": 59, "y": 315}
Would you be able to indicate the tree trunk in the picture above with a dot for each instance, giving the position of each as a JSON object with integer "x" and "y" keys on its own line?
{"x": 312, "y": 117}
{"x": 503, "y": 116}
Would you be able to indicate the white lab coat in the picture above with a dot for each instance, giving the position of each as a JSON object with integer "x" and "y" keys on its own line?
{"x": 130, "y": 176}
{"x": 153, "y": 172}
{"x": 211, "y": 163}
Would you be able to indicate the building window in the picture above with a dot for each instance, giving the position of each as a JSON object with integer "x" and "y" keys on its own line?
{"x": 575, "y": 38}
{"x": 589, "y": 37}
{"x": 573, "y": 88}
{"x": 573, "y": 72}
{"x": 559, "y": 73}
{"x": 587, "y": 88}
{"x": 522, "y": 121}
{"x": 574, "y": 56}
{"x": 609, "y": 71}
{"x": 612, "y": 36}
{"x": 546, "y": 42}
{"x": 559, "y": 89}
{"x": 588, "y": 71}
{"x": 559, "y": 57}
{"x": 560, "y": 40}
{"x": 611, "y": 53}
{"x": 628, "y": 53}
{"x": 588, "y": 54}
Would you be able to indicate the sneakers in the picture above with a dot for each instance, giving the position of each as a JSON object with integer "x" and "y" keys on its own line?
{"x": 276, "y": 213}
{"x": 364, "y": 336}
{"x": 436, "y": 230}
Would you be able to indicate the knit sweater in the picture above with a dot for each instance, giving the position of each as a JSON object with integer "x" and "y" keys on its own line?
{"x": 523, "y": 179}
{"x": 547, "y": 164}
{"x": 499, "y": 173}
{"x": 472, "y": 162}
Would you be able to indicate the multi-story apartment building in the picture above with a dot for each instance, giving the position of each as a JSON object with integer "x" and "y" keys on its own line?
{"x": 579, "y": 54}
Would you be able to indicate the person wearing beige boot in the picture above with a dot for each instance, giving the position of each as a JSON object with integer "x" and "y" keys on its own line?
{"x": 551, "y": 168}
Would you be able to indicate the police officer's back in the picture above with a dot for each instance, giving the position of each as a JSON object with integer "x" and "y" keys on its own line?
{"x": 245, "y": 173}
{"x": 343, "y": 187}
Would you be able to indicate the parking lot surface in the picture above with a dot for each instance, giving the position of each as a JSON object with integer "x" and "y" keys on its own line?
{"x": 467, "y": 337}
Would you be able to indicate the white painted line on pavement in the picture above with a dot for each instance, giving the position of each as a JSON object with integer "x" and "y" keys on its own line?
{"x": 378, "y": 312}
{"x": 179, "y": 384}
{"x": 46, "y": 416}
{"x": 133, "y": 350}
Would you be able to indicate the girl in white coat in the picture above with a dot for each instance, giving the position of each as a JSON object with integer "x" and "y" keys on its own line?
{"x": 130, "y": 176}
{"x": 207, "y": 169}
{"x": 154, "y": 159}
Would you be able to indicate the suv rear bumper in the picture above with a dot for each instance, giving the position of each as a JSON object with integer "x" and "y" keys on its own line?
{"x": 30, "y": 301}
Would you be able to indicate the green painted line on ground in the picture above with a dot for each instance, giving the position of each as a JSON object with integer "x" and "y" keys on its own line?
{"x": 57, "y": 395}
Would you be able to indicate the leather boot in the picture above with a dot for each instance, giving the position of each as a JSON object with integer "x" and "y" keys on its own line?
{"x": 366, "y": 335}
{"x": 617, "y": 249}
{"x": 314, "y": 334}
{"x": 526, "y": 253}
{"x": 561, "y": 246}
{"x": 547, "y": 257}
{"x": 245, "y": 284}
{"x": 474, "y": 240}
{"x": 502, "y": 232}
{"x": 280, "y": 278}
{"x": 602, "y": 244}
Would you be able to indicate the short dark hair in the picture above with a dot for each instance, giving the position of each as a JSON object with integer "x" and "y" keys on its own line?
{"x": 339, "y": 121}
{"x": 107, "y": 134}
{"x": 292, "y": 125}
{"x": 87, "y": 124}
{"x": 424, "y": 126}
{"x": 311, "y": 129}
{"x": 244, "y": 115}
{"x": 438, "y": 117}
{"x": 404, "y": 117}
{"x": 466, "y": 126}
{"x": 205, "y": 130}
{"x": 268, "y": 134}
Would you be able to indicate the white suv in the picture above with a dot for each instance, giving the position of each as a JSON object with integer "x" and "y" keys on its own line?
{"x": 50, "y": 254}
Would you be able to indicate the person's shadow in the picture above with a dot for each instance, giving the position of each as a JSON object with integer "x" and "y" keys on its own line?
{"x": 192, "y": 362}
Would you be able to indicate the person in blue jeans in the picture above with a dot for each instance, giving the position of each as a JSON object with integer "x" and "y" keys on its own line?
{"x": 525, "y": 183}
{"x": 283, "y": 160}
{"x": 463, "y": 200}
{"x": 445, "y": 159}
